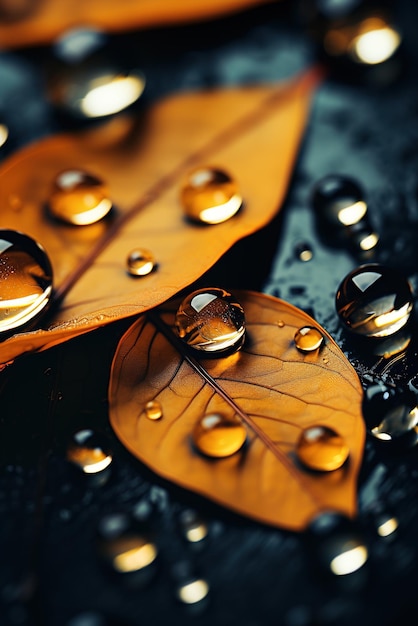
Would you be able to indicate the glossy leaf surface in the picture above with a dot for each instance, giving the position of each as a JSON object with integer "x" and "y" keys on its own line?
{"x": 253, "y": 133}
{"x": 276, "y": 390}
{"x": 42, "y": 21}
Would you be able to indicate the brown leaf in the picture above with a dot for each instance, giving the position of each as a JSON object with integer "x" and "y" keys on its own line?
{"x": 253, "y": 133}
{"x": 46, "y": 20}
{"x": 270, "y": 385}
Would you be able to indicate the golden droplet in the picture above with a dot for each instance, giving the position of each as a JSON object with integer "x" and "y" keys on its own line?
{"x": 218, "y": 436}
{"x": 140, "y": 262}
{"x": 4, "y": 134}
{"x": 193, "y": 528}
{"x": 321, "y": 448}
{"x": 25, "y": 279}
{"x": 88, "y": 452}
{"x": 211, "y": 320}
{"x": 130, "y": 553}
{"x": 210, "y": 196}
{"x": 153, "y": 410}
{"x": 308, "y": 339}
{"x": 79, "y": 198}
{"x": 193, "y": 591}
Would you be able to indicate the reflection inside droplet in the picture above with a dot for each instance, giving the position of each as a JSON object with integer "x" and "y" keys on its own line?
{"x": 140, "y": 262}
{"x": 218, "y": 436}
{"x": 391, "y": 414}
{"x": 79, "y": 198}
{"x": 89, "y": 452}
{"x": 153, "y": 410}
{"x": 193, "y": 528}
{"x": 374, "y": 301}
{"x": 193, "y": 591}
{"x": 211, "y": 320}
{"x": 387, "y": 526}
{"x": 321, "y": 448}
{"x": 25, "y": 280}
{"x": 210, "y": 196}
{"x": 303, "y": 252}
{"x": 308, "y": 339}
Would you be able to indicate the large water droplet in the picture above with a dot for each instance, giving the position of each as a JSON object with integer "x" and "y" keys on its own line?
{"x": 391, "y": 414}
{"x": 89, "y": 451}
{"x": 308, "y": 339}
{"x": 140, "y": 262}
{"x": 321, "y": 448}
{"x": 210, "y": 196}
{"x": 25, "y": 280}
{"x": 211, "y": 320}
{"x": 218, "y": 436}
{"x": 79, "y": 198}
{"x": 374, "y": 300}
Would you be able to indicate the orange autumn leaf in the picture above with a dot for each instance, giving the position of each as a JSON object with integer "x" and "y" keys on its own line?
{"x": 252, "y": 132}
{"x": 272, "y": 387}
{"x": 46, "y": 20}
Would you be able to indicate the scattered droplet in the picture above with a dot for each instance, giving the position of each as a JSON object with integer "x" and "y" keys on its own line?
{"x": 321, "y": 448}
{"x": 281, "y": 324}
{"x": 4, "y": 134}
{"x": 308, "y": 339}
{"x": 391, "y": 414}
{"x": 140, "y": 262}
{"x": 218, "y": 436}
{"x": 79, "y": 198}
{"x": 89, "y": 451}
{"x": 193, "y": 591}
{"x": 339, "y": 200}
{"x": 210, "y": 196}
{"x": 192, "y": 526}
{"x": 25, "y": 279}
{"x": 386, "y": 524}
{"x": 153, "y": 410}
{"x": 126, "y": 548}
{"x": 338, "y": 544}
{"x": 303, "y": 252}
{"x": 211, "y": 320}
{"x": 374, "y": 300}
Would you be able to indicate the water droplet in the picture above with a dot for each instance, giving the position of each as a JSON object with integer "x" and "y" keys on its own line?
{"x": 339, "y": 200}
{"x": 89, "y": 451}
{"x": 140, "y": 262}
{"x": 26, "y": 279}
{"x": 79, "y": 198}
{"x": 321, "y": 448}
{"x": 308, "y": 339}
{"x": 211, "y": 320}
{"x": 193, "y": 528}
{"x": 153, "y": 410}
{"x": 4, "y": 134}
{"x": 374, "y": 300}
{"x": 303, "y": 252}
{"x": 210, "y": 196}
{"x": 218, "y": 436}
{"x": 281, "y": 324}
{"x": 126, "y": 548}
{"x": 193, "y": 591}
{"x": 391, "y": 414}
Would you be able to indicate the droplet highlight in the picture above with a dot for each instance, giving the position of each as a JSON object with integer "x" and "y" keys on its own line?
{"x": 4, "y": 134}
{"x": 140, "y": 262}
{"x": 339, "y": 200}
{"x": 193, "y": 591}
{"x": 303, "y": 252}
{"x": 192, "y": 526}
{"x": 79, "y": 198}
{"x": 322, "y": 449}
{"x": 374, "y": 301}
{"x": 89, "y": 451}
{"x": 308, "y": 339}
{"x": 391, "y": 414}
{"x": 153, "y": 410}
{"x": 218, "y": 436}
{"x": 210, "y": 196}
{"x": 211, "y": 320}
{"x": 25, "y": 280}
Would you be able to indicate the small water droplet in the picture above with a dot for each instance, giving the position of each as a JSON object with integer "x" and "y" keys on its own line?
{"x": 303, "y": 252}
{"x": 140, "y": 262}
{"x": 391, "y": 414}
{"x": 321, "y": 448}
{"x": 210, "y": 195}
{"x": 374, "y": 300}
{"x": 218, "y": 436}
{"x": 211, "y": 320}
{"x": 89, "y": 451}
{"x": 153, "y": 410}
{"x": 79, "y": 198}
{"x": 192, "y": 526}
{"x": 308, "y": 339}
{"x": 193, "y": 591}
{"x": 4, "y": 134}
{"x": 339, "y": 200}
{"x": 281, "y": 324}
{"x": 26, "y": 279}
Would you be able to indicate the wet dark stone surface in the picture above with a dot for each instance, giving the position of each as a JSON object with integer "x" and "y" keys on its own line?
{"x": 50, "y": 574}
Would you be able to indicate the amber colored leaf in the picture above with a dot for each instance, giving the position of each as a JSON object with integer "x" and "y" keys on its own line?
{"x": 45, "y": 20}
{"x": 253, "y": 133}
{"x": 275, "y": 389}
